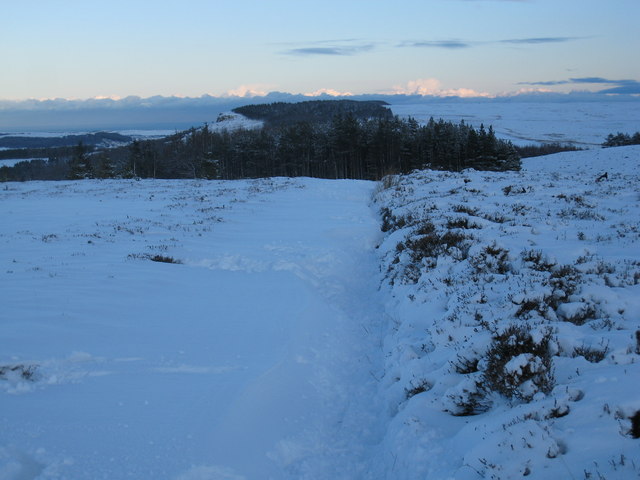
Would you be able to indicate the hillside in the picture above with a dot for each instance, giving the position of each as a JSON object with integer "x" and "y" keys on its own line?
{"x": 303, "y": 328}
{"x": 514, "y": 315}
{"x": 280, "y": 114}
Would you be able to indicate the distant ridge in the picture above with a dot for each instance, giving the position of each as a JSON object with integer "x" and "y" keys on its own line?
{"x": 316, "y": 111}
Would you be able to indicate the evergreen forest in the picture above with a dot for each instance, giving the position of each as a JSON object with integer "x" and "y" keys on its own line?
{"x": 325, "y": 139}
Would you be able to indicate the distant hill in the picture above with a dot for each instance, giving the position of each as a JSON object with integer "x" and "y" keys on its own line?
{"x": 90, "y": 139}
{"x": 315, "y": 111}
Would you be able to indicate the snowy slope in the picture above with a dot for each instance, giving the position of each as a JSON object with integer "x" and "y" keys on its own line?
{"x": 296, "y": 340}
{"x": 245, "y": 361}
{"x": 550, "y": 251}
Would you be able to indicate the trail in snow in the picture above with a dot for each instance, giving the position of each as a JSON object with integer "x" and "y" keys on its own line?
{"x": 254, "y": 358}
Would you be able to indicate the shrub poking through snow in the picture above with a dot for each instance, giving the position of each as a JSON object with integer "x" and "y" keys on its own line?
{"x": 155, "y": 258}
{"x": 466, "y": 399}
{"x": 492, "y": 259}
{"x": 163, "y": 259}
{"x": 422, "y": 386}
{"x": 564, "y": 282}
{"x": 24, "y": 372}
{"x": 591, "y": 354}
{"x": 390, "y": 222}
{"x": 635, "y": 425}
{"x": 539, "y": 262}
{"x": 519, "y": 363}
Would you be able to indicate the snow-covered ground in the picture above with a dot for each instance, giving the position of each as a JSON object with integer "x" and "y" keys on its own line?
{"x": 295, "y": 339}
{"x": 553, "y": 252}
{"x": 250, "y": 359}
{"x": 583, "y": 124}
{"x": 234, "y": 121}
{"x": 10, "y": 162}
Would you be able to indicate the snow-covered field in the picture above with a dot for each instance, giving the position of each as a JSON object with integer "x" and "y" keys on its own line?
{"x": 583, "y": 124}
{"x": 295, "y": 339}
{"x": 250, "y": 359}
{"x": 10, "y": 162}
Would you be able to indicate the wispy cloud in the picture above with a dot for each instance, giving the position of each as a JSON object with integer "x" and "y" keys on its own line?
{"x": 537, "y": 40}
{"x": 548, "y": 83}
{"x": 599, "y": 80}
{"x": 462, "y": 44}
{"x": 451, "y": 44}
{"x": 341, "y": 48}
{"x": 628, "y": 87}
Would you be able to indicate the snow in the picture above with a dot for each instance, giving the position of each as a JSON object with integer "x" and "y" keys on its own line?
{"x": 10, "y": 162}
{"x": 247, "y": 358}
{"x": 234, "y": 121}
{"x": 295, "y": 339}
{"x": 584, "y": 124}
{"x": 523, "y": 230}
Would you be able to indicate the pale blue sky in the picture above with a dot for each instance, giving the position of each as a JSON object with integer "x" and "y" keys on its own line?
{"x": 84, "y": 49}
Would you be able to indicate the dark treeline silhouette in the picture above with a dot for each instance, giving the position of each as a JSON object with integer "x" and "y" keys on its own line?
{"x": 97, "y": 138}
{"x": 345, "y": 146}
{"x": 281, "y": 114}
{"x": 622, "y": 139}
{"x": 527, "y": 151}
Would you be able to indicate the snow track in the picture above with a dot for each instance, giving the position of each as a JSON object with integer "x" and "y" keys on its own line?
{"x": 252, "y": 358}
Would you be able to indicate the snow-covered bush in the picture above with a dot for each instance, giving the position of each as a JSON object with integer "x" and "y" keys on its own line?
{"x": 492, "y": 259}
{"x": 466, "y": 399}
{"x": 564, "y": 282}
{"x": 519, "y": 363}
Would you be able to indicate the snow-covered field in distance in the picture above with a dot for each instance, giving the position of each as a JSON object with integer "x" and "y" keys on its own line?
{"x": 10, "y": 162}
{"x": 583, "y": 124}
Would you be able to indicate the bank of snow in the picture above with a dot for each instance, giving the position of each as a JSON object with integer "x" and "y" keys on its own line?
{"x": 551, "y": 256}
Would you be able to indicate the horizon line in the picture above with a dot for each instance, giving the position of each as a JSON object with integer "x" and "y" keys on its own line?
{"x": 324, "y": 93}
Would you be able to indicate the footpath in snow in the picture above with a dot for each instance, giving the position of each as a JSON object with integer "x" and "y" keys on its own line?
{"x": 254, "y": 357}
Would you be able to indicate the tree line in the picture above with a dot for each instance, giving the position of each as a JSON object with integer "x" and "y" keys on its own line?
{"x": 347, "y": 145}
{"x": 621, "y": 139}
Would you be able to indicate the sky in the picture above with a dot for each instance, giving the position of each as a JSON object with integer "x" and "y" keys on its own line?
{"x": 91, "y": 49}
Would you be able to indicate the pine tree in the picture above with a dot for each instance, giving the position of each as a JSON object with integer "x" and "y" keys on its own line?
{"x": 79, "y": 165}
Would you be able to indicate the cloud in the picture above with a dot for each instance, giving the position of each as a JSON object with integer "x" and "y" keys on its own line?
{"x": 247, "y": 91}
{"x": 622, "y": 87}
{"x": 525, "y": 92}
{"x": 461, "y": 44}
{"x": 546, "y": 83}
{"x": 598, "y": 80}
{"x": 537, "y": 40}
{"x": 451, "y": 44}
{"x": 623, "y": 90}
{"x": 432, "y": 87}
{"x": 319, "y": 48}
{"x": 329, "y": 92}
